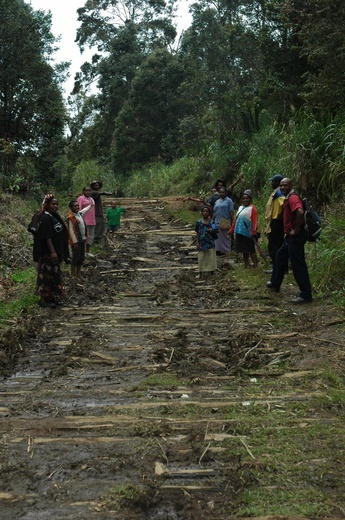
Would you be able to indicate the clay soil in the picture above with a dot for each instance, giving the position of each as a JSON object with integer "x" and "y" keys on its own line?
{"x": 154, "y": 394}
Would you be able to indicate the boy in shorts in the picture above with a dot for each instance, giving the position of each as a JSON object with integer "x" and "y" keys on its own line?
{"x": 113, "y": 216}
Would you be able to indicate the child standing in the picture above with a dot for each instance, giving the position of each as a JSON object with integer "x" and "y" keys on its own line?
{"x": 90, "y": 218}
{"x": 113, "y": 216}
{"x": 77, "y": 232}
{"x": 206, "y": 230}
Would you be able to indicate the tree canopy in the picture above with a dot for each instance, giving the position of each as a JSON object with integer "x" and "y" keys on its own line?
{"x": 31, "y": 105}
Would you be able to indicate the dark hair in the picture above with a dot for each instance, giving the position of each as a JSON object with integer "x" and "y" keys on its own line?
{"x": 86, "y": 188}
{"x": 218, "y": 181}
{"x": 71, "y": 203}
{"x": 208, "y": 208}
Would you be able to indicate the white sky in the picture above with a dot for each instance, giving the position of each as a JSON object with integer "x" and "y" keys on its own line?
{"x": 65, "y": 24}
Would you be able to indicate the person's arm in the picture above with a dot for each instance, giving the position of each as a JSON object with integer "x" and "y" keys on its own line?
{"x": 298, "y": 223}
{"x": 86, "y": 209}
{"x": 237, "y": 181}
{"x": 53, "y": 254}
{"x": 71, "y": 233}
{"x": 195, "y": 199}
{"x": 254, "y": 219}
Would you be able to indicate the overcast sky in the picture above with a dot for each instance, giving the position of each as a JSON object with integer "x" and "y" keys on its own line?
{"x": 64, "y": 16}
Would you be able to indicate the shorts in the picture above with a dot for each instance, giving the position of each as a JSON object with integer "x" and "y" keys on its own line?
{"x": 112, "y": 228}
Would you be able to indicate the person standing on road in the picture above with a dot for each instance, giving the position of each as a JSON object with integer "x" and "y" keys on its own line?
{"x": 77, "y": 232}
{"x": 84, "y": 201}
{"x": 293, "y": 246}
{"x": 222, "y": 184}
{"x": 245, "y": 229}
{"x": 206, "y": 230}
{"x": 223, "y": 214}
{"x": 113, "y": 216}
{"x": 50, "y": 246}
{"x": 96, "y": 194}
{"x": 274, "y": 217}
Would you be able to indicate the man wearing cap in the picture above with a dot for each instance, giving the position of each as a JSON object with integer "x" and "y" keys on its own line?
{"x": 274, "y": 217}
{"x": 293, "y": 245}
{"x": 99, "y": 213}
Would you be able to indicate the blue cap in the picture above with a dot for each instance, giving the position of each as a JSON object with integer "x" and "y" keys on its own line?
{"x": 276, "y": 178}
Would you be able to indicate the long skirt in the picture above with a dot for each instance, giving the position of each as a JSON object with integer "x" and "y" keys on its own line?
{"x": 223, "y": 242}
{"x": 244, "y": 244}
{"x": 207, "y": 261}
{"x": 49, "y": 278}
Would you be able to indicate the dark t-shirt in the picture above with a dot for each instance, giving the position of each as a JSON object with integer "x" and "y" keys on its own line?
{"x": 51, "y": 228}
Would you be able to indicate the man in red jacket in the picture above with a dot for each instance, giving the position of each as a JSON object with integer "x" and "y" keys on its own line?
{"x": 293, "y": 245}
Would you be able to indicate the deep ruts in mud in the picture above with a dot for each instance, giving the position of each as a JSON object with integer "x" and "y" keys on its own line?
{"x": 124, "y": 402}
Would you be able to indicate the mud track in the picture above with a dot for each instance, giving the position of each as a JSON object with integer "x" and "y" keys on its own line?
{"x": 117, "y": 406}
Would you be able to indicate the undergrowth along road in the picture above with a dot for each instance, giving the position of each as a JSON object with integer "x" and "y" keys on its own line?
{"x": 156, "y": 395}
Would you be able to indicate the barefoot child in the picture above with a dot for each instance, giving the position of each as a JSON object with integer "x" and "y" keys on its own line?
{"x": 77, "y": 232}
{"x": 113, "y": 216}
{"x": 206, "y": 230}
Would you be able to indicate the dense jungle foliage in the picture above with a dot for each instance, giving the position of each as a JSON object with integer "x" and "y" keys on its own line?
{"x": 252, "y": 86}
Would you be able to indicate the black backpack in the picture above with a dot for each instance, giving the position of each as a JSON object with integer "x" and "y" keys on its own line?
{"x": 312, "y": 222}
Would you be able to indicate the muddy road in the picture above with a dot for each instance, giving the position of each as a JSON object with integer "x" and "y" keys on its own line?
{"x": 155, "y": 395}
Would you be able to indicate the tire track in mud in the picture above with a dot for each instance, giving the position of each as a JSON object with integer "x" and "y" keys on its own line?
{"x": 125, "y": 384}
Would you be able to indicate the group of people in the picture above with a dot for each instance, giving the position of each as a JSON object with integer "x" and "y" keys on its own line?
{"x": 219, "y": 227}
{"x": 53, "y": 236}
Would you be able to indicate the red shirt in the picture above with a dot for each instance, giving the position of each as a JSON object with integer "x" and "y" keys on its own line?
{"x": 291, "y": 204}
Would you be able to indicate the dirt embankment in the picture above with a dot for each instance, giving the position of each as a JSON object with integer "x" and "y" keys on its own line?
{"x": 156, "y": 395}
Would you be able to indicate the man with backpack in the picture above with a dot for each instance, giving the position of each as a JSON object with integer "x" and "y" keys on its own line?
{"x": 292, "y": 250}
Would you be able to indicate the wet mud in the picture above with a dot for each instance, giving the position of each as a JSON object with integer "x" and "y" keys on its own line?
{"x": 120, "y": 404}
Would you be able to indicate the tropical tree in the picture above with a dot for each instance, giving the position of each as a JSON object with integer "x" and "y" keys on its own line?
{"x": 32, "y": 112}
{"x": 148, "y": 124}
{"x": 125, "y": 33}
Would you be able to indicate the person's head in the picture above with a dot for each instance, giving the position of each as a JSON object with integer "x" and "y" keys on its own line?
{"x": 214, "y": 190}
{"x": 86, "y": 191}
{"x": 286, "y": 186}
{"x": 96, "y": 185}
{"x": 50, "y": 203}
{"x": 74, "y": 206}
{"x": 275, "y": 181}
{"x": 223, "y": 192}
{"x": 247, "y": 197}
{"x": 206, "y": 212}
{"x": 113, "y": 203}
{"x": 219, "y": 184}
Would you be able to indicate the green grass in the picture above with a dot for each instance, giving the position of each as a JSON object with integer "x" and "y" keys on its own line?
{"x": 119, "y": 496}
{"x": 23, "y": 297}
{"x": 283, "y": 502}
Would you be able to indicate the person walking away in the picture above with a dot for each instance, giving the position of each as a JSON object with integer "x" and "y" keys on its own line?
{"x": 113, "y": 216}
{"x": 84, "y": 201}
{"x": 274, "y": 217}
{"x": 77, "y": 232}
{"x": 245, "y": 229}
{"x": 293, "y": 246}
{"x": 49, "y": 245}
{"x": 206, "y": 230}
{"x": 223, "y": 214}
{"x": 96, "y": 194}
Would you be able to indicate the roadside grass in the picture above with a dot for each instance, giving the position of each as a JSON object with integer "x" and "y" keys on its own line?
{"x": 22, "y": 297}
{"x": 119, "y": 496}
{"x": 283, "y": 502}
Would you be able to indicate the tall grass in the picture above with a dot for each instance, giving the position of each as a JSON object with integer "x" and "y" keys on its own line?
{"x": 88, "y": 171}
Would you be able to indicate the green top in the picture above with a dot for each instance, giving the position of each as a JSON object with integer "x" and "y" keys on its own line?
{"x": 114, "y": 216}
